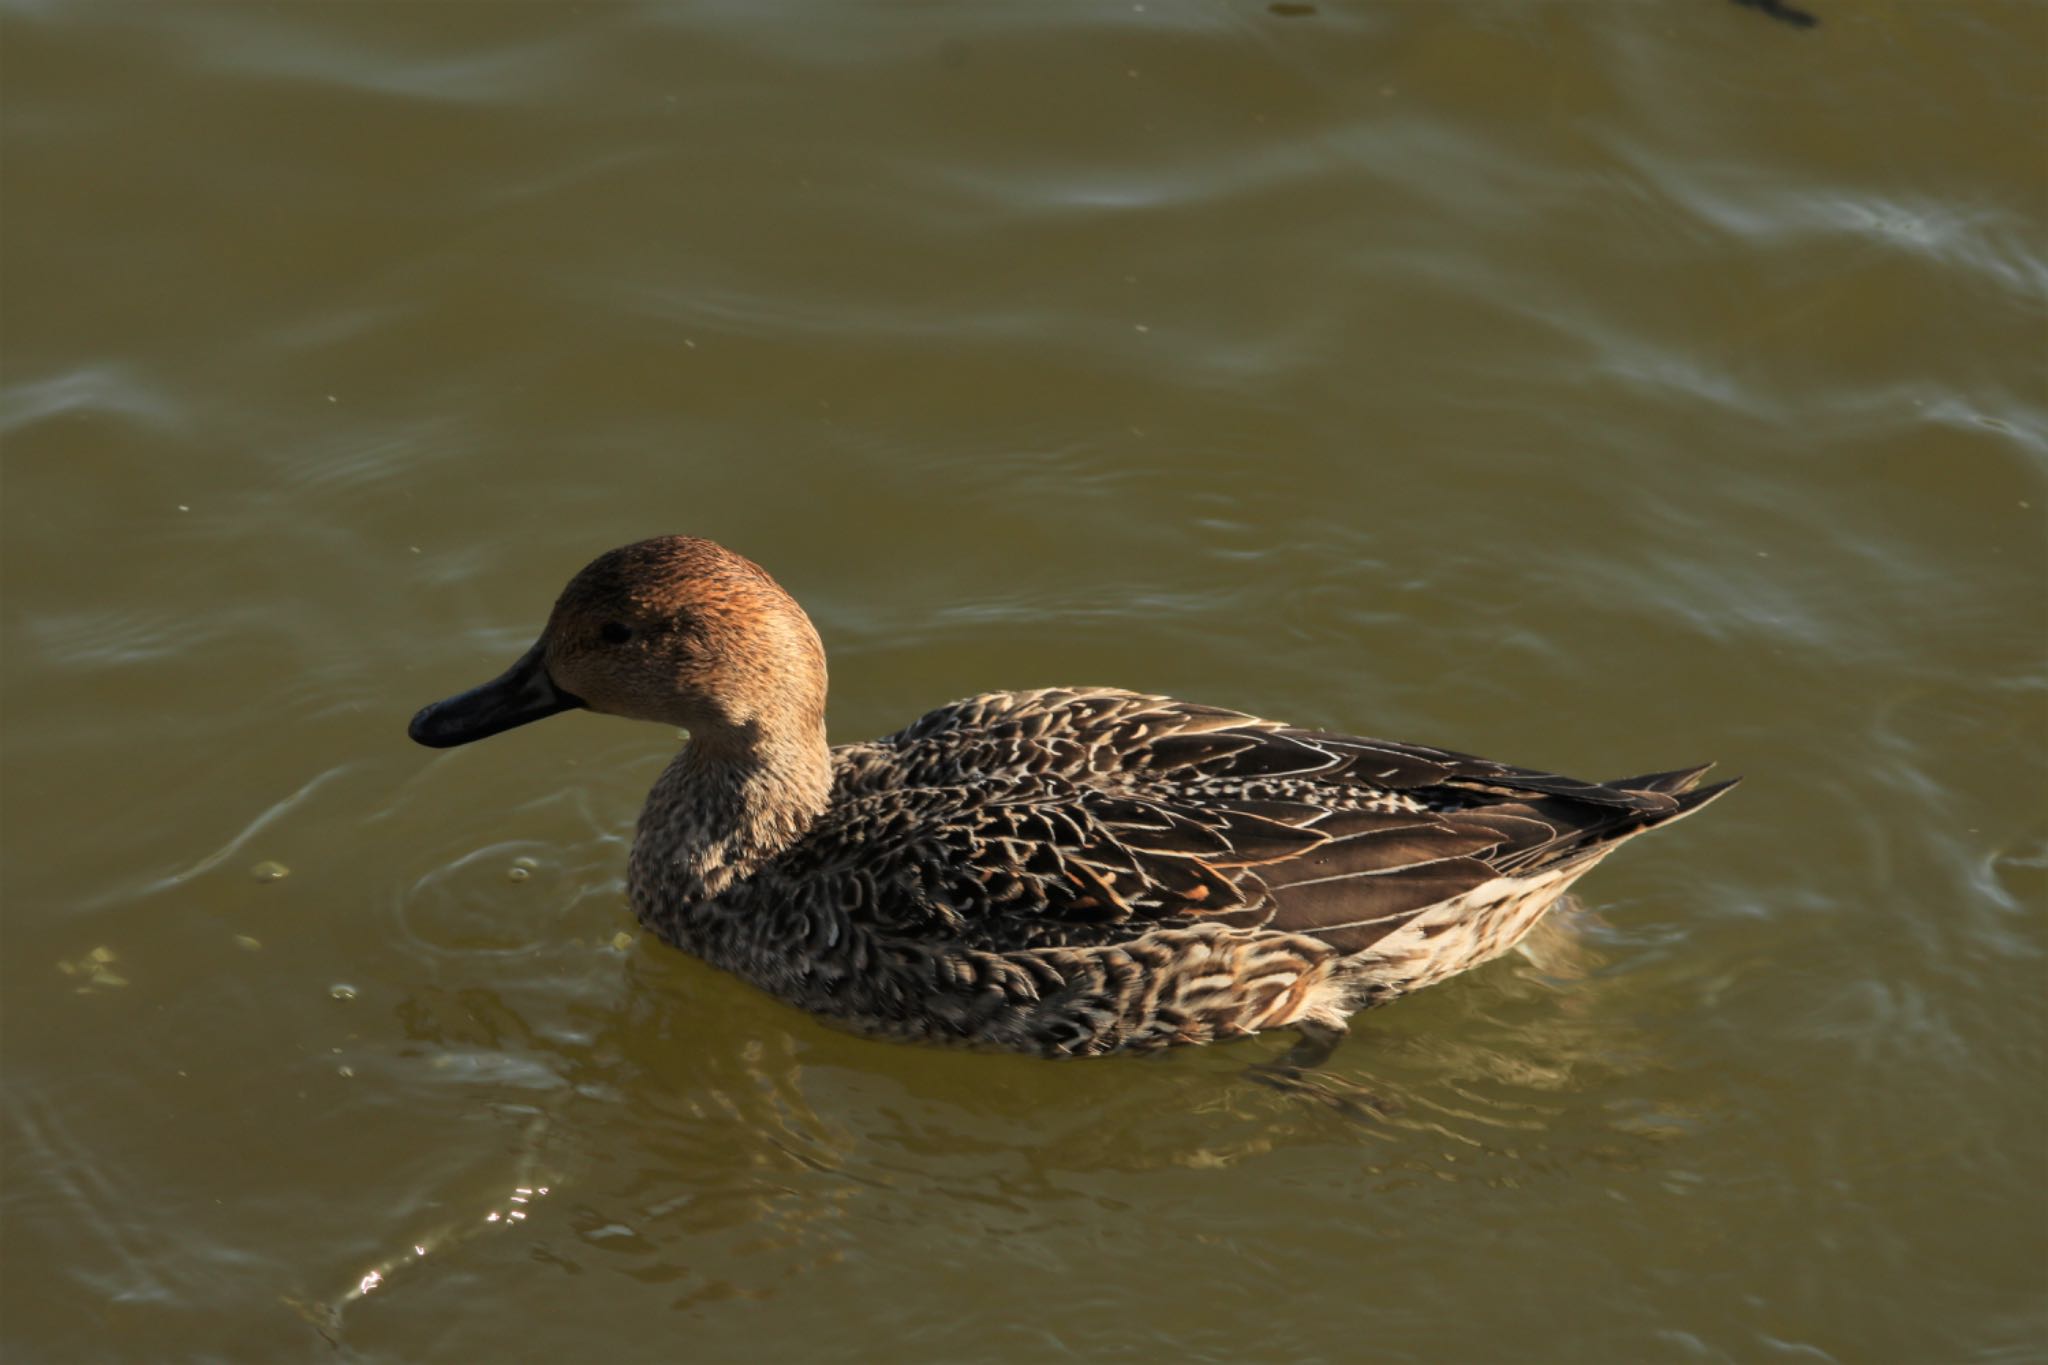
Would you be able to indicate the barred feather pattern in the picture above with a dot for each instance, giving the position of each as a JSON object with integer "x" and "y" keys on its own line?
{"x": 1075, "y": 871}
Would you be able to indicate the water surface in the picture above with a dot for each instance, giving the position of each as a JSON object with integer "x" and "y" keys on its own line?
{"x": 1603, "y": 387}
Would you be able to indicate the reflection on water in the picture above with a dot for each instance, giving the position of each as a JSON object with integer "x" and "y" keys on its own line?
{"x": 655, "y": 1130}
{"x": 1584, "y": 385}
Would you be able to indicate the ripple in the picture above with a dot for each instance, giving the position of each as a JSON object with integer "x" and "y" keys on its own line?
{"x": 90, "y": 1194}
{"x": 114, "y": 637}
{"x": 310, "y": 49}
{"x": 1764, "y": 209}
{"x": 104, "y": 389}
{"x": 468, "y": 907}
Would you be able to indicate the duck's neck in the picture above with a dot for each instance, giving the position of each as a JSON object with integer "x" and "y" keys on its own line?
{"x": 725, "y": 806}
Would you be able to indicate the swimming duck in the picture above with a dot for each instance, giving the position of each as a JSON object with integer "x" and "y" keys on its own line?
{"x": 1069, "y": 871}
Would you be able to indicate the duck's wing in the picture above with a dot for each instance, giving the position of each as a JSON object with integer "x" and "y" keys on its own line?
{"x": 1022, "y": 819}
{"x": 1111, "y": 738}
{"x": 1033, "y": 861}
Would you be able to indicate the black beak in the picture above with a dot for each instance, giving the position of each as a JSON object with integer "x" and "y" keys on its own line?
{"x": 524, "y": 692}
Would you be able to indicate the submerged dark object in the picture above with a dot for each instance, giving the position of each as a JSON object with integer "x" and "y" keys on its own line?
{"x": 1783, "y": 12}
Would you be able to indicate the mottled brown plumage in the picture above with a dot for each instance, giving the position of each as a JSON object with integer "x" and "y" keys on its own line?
{"x": 1067, "y": 871}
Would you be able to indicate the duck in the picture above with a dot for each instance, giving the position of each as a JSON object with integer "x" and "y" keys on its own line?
{"x": 1066, "y": 872}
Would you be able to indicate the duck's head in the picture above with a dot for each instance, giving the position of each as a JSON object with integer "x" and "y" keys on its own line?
{"x": 676, "y": 630}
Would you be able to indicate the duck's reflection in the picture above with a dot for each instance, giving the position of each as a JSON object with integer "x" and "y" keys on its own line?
{"x": 665, "y": 1122}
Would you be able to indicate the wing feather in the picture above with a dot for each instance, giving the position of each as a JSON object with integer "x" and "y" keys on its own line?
{"x": 1092, "y": 815}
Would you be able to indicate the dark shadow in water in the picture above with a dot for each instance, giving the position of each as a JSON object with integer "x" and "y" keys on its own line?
{"x": 1783, "y": 12}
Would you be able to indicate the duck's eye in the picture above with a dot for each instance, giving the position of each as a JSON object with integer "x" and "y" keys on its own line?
{"x": 615, "y": 632}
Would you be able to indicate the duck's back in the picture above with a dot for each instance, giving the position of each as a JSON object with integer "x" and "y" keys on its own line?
{"x": 1081, "y": 817}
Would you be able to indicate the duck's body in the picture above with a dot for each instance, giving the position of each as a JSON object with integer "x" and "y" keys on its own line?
{"x": 1065, "y": 872}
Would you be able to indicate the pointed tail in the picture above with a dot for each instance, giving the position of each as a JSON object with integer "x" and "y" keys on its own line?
{"x": 1681, "y": 783}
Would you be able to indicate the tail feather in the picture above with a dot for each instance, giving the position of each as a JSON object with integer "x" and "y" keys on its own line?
{"x": 1686, "y": 798}
{"x": 1702, "y": 796}
{"x": 1673, "y": 783}
{"x": 1582, "y": 845}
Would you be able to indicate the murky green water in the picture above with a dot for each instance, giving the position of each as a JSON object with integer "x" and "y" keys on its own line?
{"x": 1605, "y": 387}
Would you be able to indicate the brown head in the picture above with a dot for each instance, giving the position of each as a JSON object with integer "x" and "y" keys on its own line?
{"x": 676, "y": 630}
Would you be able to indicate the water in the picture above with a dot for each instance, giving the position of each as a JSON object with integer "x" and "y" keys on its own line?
{"x": 1604, "y": 387}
